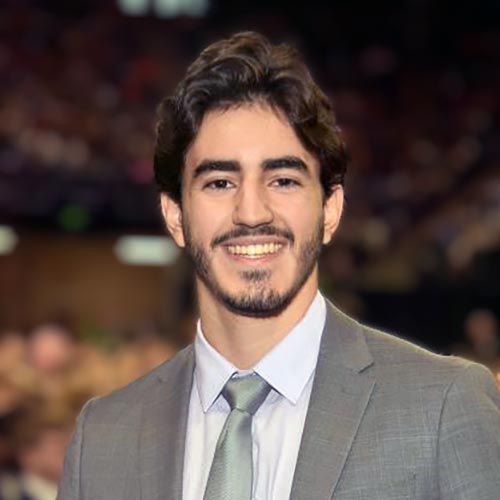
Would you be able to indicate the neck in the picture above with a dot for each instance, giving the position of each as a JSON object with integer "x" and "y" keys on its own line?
{"x": 244, "y": 340}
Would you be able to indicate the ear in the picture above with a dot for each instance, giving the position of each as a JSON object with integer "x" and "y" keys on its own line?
{"x": 332, "y": 210}
{"x": 172, "y": 215}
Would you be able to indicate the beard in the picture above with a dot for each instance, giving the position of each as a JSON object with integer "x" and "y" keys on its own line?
{"x": 259, "y": 299}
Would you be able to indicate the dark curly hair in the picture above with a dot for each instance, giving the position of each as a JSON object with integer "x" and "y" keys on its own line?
{"x": 242, "y": 69}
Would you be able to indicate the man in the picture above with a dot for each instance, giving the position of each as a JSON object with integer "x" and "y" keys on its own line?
{"x": 281, "y": 396}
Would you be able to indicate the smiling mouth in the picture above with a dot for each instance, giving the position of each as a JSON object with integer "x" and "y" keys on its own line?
{"x": 255, "y": 251}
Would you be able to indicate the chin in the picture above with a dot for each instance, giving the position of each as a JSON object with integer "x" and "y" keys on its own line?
{"x": 261, "y": 302}
{"x": 255, "y": 308}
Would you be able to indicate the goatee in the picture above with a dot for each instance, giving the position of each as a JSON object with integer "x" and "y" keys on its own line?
{"x": 259, "y": 300}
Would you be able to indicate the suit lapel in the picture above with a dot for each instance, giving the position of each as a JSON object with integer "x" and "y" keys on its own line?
{"x": 338, "y": 401}
{"x": 163, "y": 430}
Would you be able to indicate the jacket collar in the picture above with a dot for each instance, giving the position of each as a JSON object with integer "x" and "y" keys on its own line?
{"x": 341, "y": 390}
{"x": 163, "y": 429}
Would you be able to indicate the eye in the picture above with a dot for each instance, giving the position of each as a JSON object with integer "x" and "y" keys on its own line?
{"x": 219, "y": 185}
{"x": 285, "y": 182}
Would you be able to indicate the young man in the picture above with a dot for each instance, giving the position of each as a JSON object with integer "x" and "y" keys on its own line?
{"x": 281, "y": 396}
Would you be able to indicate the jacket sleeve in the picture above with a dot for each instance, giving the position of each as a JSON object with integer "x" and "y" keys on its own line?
{"x": 469, "y": 437}
{"x": 69, "y": 486}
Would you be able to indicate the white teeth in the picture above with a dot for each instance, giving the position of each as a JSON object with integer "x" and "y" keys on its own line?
{"x": 254, "y": 250}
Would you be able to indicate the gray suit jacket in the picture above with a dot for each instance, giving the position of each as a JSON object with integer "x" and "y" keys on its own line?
{"x": 387, "y": 421}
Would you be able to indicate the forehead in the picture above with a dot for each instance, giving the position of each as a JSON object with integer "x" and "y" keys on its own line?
{"x": 248, "y": 134}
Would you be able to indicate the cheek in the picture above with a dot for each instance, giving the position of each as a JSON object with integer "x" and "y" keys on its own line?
{"x": 303, "y": 219}
{"x": 205, "y": 224}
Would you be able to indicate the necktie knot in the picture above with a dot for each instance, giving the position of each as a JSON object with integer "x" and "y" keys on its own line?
{"x": 246, "y": 393}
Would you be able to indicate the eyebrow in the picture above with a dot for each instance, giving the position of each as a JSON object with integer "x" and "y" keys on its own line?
{"x": 217, "y": 166}
{"x": 292, "y": 162}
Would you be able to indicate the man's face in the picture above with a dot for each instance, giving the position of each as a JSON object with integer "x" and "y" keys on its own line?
{"x": 253, "y": 216}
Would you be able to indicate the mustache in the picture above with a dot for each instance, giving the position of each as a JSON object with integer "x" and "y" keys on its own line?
{"x": 244, "y": 231}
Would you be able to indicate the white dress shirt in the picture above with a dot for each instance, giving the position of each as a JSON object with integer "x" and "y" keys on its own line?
{"x": 278, "y": 424}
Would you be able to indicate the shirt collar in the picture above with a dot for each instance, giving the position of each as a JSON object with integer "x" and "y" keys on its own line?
{"x": 287, "y": 367}
{"x": 212, "y": 370}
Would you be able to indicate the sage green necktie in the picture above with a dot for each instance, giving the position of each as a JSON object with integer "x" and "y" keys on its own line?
{"x": 231, "y": 473}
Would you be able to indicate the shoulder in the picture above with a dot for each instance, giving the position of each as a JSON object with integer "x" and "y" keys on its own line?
{"x": 129, "y": 400}
{"x": 390, "y": 350}
{"x": 404, "y": 364}
{"x": 447, "y": 396}
{"x": 385, "y": 356}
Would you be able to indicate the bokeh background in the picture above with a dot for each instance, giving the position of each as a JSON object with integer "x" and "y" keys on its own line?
{"x": 93, "y": 293}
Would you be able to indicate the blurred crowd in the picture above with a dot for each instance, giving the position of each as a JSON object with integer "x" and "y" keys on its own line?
{"x": 481, "y": 340}
{"x": 45, "y": 378}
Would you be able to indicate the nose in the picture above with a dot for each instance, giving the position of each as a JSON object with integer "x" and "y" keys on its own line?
{"x": 252, "y": 207}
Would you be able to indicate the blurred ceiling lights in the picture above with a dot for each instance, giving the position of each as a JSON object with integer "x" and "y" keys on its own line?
{"x": 8, "y": 240}
{"x": 164, "y": 8}
{"x": 146, "y": 250}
